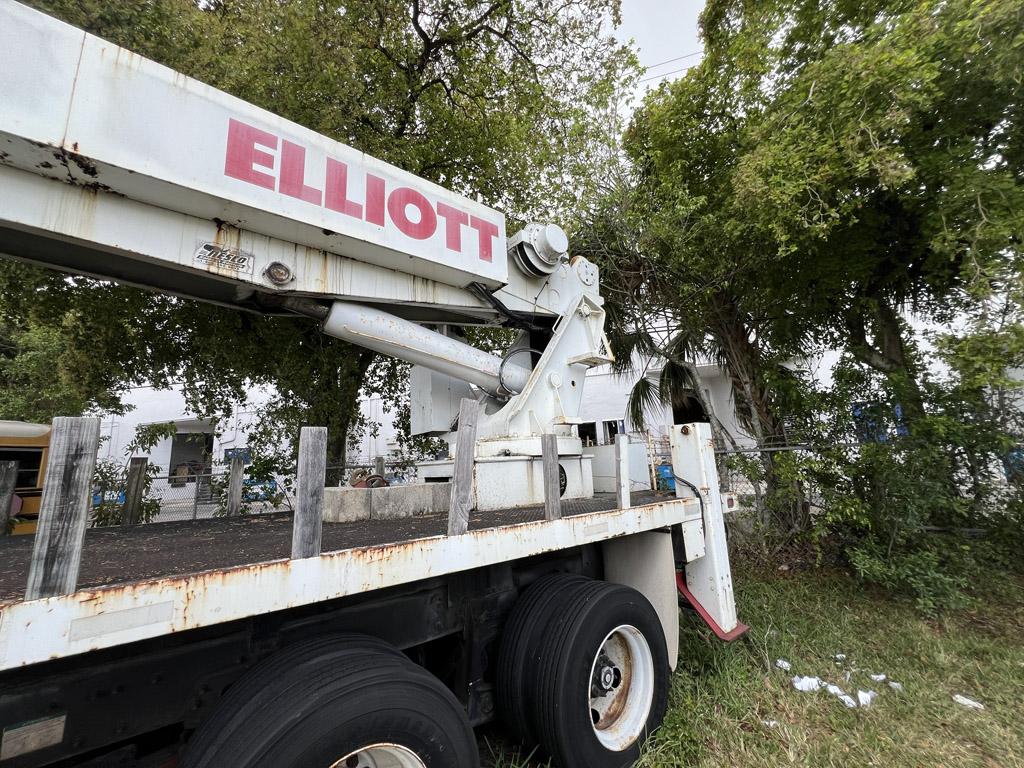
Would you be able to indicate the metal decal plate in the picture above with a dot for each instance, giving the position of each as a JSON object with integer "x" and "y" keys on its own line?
{"x": 224, "y": 258}
{"x": 32, "y": 736}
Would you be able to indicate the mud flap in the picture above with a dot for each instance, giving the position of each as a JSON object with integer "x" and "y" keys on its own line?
{"x": 645, "y": 562}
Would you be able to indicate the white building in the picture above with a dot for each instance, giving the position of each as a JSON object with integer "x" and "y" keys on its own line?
{"x": 197, "y": 447}
{"x": 605, "y": 399}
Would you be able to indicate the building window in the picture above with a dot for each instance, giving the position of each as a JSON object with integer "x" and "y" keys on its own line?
{"x": 613, "y": 428}
{"x": 588, "y": 434}
{"x": 29, "y": 461}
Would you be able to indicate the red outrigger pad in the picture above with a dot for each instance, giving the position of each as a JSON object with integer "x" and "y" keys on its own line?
{"x": 739, "y": 630}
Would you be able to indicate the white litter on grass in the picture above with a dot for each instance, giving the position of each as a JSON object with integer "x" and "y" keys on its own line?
{"x": 840, "y": 657}
{"x": 969, "y": 703}
{"x": 806, "y": 684}
{"x": 840, "y": 694}
{"x": 782, "y": 664}
{"x": 770, "y": 723}
{"x": 864, "y": 698}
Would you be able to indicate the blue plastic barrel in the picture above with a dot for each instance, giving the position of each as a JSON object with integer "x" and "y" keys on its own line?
{"x": 666, "y": 478}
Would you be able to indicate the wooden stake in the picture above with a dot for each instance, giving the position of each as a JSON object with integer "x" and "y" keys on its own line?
{"x": 235, "y": 474}
{"x": 64, "y": 508}
{"x": 131, "y": 512}
{"x": 622, "y": 477}
{"x": 307, "y": 525}
{"x": 8, "y": 482}
{"x": 462, "y": 475}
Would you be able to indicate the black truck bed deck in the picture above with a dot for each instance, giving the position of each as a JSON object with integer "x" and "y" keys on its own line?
{"x": 119, "y": 555}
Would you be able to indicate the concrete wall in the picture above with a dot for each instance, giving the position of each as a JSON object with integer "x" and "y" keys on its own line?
{"x": 604, "y": 467}
{"x": 343, "y": 505}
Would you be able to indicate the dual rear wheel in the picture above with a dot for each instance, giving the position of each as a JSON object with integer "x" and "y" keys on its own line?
{"x": 582, "y": 672}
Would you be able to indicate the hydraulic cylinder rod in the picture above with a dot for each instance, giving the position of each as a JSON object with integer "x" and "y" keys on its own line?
{"x": 382, "y": 332}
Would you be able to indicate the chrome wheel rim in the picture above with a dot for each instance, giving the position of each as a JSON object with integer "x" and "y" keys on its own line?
{"x": 621, "y": 688}
{"x": 380, "y": 756}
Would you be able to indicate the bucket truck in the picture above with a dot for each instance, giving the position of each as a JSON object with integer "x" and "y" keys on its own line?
{"x": 388, "y": 646}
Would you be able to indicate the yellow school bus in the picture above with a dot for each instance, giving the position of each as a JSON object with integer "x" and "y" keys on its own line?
{"x": 27, "y": 444}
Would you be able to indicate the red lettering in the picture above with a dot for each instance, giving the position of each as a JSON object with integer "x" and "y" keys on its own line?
{"x": 251, "y": 157}
{"x": 336, "y": 190}
{"x": 488, "y": 232}
{"x": 293, "y": 174}
{"x": 398, "y": 203}
{"x": 242, "y": 155}
{"x": 375, "y": 199}
{"x": 454, "y": 220}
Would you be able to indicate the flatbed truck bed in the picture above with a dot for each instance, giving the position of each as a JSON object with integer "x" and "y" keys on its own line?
{"x": 116, "y": 556}
{"x": 163, "y": 578}
{"x": 168, "y": 619}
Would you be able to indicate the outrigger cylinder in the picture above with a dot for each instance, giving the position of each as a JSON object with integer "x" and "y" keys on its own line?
{"x": 390, "y": 335}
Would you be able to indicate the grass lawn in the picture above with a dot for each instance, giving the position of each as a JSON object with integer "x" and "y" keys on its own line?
{"x": 730, "y": 706}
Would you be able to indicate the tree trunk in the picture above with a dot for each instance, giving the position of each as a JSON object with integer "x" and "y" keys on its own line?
{"x": 782, "y": 507}
{"x": 887, "y": 354}
{"x": 340, "y": 425}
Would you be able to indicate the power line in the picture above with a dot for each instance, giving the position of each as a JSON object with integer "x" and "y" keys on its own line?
{"x": 677, "y": 58}
{"x": 665, "y": 74}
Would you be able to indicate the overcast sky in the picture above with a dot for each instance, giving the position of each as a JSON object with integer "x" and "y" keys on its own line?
{"x": 663, "y": 30}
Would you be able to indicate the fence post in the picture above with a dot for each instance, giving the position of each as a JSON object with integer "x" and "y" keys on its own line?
{"x": 64, "y": 508}
{"x": 378, "y": 466}
{"x": 307, "y": 524}
{"x": 195, "y": 496}
{"x": 622, "y": 476}
{"x": 8, "y": 482}
{"x": 552, "y": 489}
{"x": 235, "y": 485}
{"x": 131, "y": 512}
{"x": 462, "y": 473}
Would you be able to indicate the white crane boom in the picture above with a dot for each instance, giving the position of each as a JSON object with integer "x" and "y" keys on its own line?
{"x": 213, "y": 198}
{"x": 115, "y": 166}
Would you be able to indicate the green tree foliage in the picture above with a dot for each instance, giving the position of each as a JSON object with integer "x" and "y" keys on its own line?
{"x": 888, "y": 166}
{"x": 33, "y": 381}
{"x": 684, "y": 267}
{"x": 505, "y": 100}
{"x": 840, "y": 175}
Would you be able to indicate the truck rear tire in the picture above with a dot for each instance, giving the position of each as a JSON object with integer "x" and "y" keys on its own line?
{"x": 519, "y": 640}
{"x": 348, "y": 701}
{"x": 594, "y": 682}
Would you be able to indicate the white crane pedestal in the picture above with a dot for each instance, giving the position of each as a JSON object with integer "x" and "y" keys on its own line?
{"x": 501, "y": 482}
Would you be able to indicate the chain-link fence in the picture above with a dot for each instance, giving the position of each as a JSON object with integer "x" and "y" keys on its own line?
{"x": 740, "y": 470}
{"x": 202, "y": 496}
{"x": 198, "y": 495}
